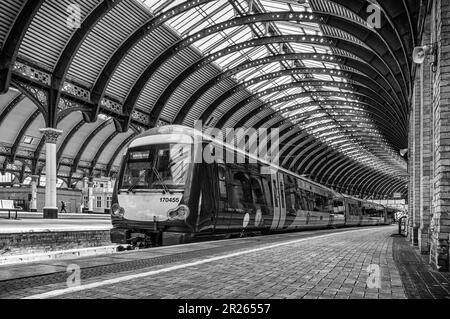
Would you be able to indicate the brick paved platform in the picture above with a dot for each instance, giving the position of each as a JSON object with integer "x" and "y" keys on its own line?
{"x": 311, "y": 265}
{"x": 419, "y": 279}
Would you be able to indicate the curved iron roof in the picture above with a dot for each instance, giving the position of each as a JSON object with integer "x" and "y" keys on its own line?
{"x": 338, "y": 87}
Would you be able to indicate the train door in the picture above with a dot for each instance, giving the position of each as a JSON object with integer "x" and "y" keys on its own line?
{"x": 208, "y": 197}
{"x": 223, "y": 214}
{"x": 282, "y": 201}
{"x": 276, "y": 200}
{"x": 279, "y": 201}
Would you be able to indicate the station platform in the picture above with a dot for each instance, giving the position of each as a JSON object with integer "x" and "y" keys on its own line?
{"x": 323, "y": 264}
{"x": 32, "y": 238}
{"x": 27, "y": 224}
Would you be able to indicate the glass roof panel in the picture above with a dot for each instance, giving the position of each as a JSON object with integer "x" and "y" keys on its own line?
{"x": 334, "y": 124}
{"x": 216, "y": 41}
{"x": 303, "y": 48}
{"x": 273, "y": 6}
{"x": 283, "y": 80}
{"x": 268, "y": 97}
{"x": 261, "y": 86}
{"x": 323, "y": 77}
{"x": 161, "y": 5}
{"x": 233, "y": 59}
{"x": 287, "y": 28}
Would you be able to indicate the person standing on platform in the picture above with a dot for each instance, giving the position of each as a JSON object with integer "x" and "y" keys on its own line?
{"x": 63, "y": 207}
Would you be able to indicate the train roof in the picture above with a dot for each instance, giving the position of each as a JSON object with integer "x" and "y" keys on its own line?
{"x": 181, "y": 129}
{"x": 363, "y": 200}
{"x": 352, "y": 197}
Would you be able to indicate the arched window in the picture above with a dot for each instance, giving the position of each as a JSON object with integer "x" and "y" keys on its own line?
{"x": 6, "y": 178}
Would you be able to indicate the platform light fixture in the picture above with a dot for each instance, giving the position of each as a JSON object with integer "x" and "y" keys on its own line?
{"x": 420, "y": 53}
{"x": 403, "y": 151}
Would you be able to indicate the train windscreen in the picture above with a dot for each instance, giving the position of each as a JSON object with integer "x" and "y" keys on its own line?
{"x": 156, "y": 166}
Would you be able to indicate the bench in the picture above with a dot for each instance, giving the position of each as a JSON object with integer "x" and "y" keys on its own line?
{"x": 8, "y": 205}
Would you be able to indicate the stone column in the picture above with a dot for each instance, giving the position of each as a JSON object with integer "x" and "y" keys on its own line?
{"x": 90, "y": 197}
{"x": 413, "y": 163}
{"x": 426, "y": 158}
{"x": 440, "y": 223}
{"x": 33, "y": 202}
{"x": 51, "y": 136}
{"x": 416, "y": 168}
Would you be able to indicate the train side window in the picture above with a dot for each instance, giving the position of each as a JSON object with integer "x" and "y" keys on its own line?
{"x": 282, "y": 194}
{"x": 291, "y": 198}
{"x": 242, "y": 191}
{"x": 311, "y": 200}
{"x": 322, "y": 203}
{"x": 275, "y": 192}
{"x": 258, "y": 193}
{"x": 222, "y": 182}
{"x": 317, "y": 203}
{"x": 304, "y": 200}
{"x": 338, "y": 207}
{"x": 291, "y": 201}
{"x": 355, "y": 210}
{"x": 297, "y": 199}
{"x": 267, "y": 191}
{"x": 236, "y": 198}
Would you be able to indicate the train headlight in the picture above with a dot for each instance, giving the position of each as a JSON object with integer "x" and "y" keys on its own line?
{"x": 117, "y": 211}
{"x": 181, "y": 212}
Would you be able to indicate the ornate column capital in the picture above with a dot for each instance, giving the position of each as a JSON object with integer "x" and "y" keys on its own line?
{"x": 51, "y": 135}
{"x": 34, "y": 178}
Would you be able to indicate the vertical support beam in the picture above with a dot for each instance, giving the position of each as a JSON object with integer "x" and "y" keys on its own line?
{"x": 417, "y": 124}
{"x": 411, "y": 170}
{"x": 84, "y": 194}
{"x": 425, "y": 151}
{"x": 90, "y": 196}
{"x": 440, "y": 223}
{"x": 33, "y": 202}
{"x": 51, "y": 136}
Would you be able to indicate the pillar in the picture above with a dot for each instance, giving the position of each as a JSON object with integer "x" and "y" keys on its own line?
{"x": 426, "y": 158}
{"x": 410, "y": 173}
{"x": 415, "y": 154}
{"x": 440, "y": 222}
{"x": 51, "y": 136}
{"x": 90, "y": 197}
{"x": 33, "y": 202}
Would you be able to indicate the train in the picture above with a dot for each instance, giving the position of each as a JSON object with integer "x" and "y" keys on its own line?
{"x": 163, "y": 195}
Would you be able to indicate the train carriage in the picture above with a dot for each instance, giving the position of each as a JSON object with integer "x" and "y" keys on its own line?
{"x": 165, "y": 188}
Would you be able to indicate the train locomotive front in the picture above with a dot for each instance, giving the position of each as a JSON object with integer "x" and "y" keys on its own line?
{"x": 156, "y": 188}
